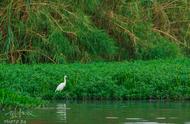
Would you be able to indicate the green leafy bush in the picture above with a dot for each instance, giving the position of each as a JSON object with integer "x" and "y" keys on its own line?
{"x": 13, "y": 99}
{"x": 158, "y": 79}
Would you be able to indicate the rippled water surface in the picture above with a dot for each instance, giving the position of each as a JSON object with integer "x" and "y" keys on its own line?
{"x": 135, "y": 112}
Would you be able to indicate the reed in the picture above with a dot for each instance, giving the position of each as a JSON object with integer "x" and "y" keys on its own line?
{"x": 82, "y": 31}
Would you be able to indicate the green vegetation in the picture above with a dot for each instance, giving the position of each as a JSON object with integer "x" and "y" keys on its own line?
{"x": 67, "y": 31}
{"x": 15, "y": 99}
{"x": 156, "y": 79}
{"x": 59, "y": 32}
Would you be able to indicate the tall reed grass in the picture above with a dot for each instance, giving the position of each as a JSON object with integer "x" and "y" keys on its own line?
{"x": 81, "y": 30}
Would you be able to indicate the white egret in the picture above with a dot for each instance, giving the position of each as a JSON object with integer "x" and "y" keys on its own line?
{"x": 61, "y": 86}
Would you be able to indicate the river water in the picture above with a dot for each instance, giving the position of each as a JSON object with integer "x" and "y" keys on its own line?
{"x": 105, "y": 112}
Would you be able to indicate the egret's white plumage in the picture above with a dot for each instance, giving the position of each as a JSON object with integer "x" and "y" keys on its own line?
{"x": 61, "y": 86}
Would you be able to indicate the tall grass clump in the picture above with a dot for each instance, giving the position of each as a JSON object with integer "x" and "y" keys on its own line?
{"x": 50, "y": 32}
{"x": 134, "y": 25}
{"x": 78, "y": 31}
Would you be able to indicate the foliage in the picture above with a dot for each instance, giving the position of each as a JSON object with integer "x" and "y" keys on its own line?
{"x": 86, "y": 30}
{"x": 159, "y": 47}
{"x": 13, "y": 99}
{"x": 158, "y": 79}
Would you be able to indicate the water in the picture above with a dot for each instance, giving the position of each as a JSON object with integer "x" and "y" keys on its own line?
{"x": 136, "y": 112}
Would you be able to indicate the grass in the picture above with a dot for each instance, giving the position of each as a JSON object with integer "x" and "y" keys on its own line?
{"x": 84, "y": 31}
{"x": 12, "y": 99}
{"x": 139, "y": 80}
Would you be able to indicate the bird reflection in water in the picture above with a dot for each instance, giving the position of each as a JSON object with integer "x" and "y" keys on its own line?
{"x": 61, "y": 113}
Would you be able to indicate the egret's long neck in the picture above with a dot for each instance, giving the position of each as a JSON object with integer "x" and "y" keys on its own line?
{"x": 65, "y": 80}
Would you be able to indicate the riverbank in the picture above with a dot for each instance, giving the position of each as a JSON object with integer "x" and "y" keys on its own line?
{"x": 25, "y": 85}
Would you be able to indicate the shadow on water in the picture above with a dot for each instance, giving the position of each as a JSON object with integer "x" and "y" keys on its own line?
{"x": 107, "y": 112}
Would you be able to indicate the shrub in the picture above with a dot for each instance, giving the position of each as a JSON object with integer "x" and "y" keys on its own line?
{"x": 158, "y": 79}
